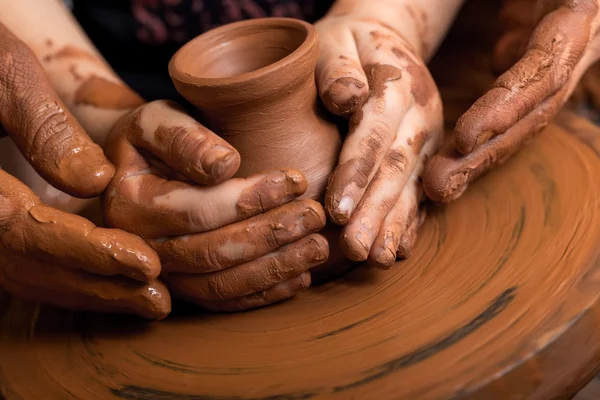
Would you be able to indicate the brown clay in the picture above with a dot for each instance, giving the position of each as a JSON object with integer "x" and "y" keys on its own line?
{"x": 99, "y": 92}
{"x": 253, "y": 83}
{"x": 499, "y": 300}
{"x": 40, "y": 123}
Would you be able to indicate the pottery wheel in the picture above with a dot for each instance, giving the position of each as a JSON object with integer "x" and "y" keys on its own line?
{"x": 500, "y": 300}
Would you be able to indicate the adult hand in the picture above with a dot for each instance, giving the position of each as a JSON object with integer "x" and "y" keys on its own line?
{"x": 47, "y": 255}
{"x": 367, "y": 71}
{"x": 562, "y": 46}
{"x": 225, "y": 243}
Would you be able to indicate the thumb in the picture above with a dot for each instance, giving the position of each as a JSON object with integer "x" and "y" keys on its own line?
{"x": 43, "y": 129}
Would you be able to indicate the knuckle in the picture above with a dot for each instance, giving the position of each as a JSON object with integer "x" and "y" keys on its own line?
{"x": 396, "y": 161}
{"x": 274, "y": 271}
{"x": 204, "y": 218}
{"x": 216, "y": 288}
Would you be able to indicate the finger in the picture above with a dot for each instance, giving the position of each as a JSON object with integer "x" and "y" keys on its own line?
{"x": 374, "y": 126}
{"x": 554, "y": 49}
{"x": 254, "y": 276}
{"x": 77, "y": 290}
{"x": 277, "y": 293}
{"x": 412, "y": 143}
{"x": 166, "y": 131}
{"x": 38, "y": 231}
{"x": 44, "y": 130}
{"x": 341, "y": 80}
{"x": 148, "y": 205}
{"x": 396, "y": 235}
{"x": 243, "y": 241}
{"x": 448, "y": 173}
{"x": 409, "y": 237}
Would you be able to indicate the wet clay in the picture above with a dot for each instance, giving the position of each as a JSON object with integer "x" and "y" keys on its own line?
{"x": 253, "y": 83}
{"x": 99, "y": 92}
{"x": 500, "y": 298}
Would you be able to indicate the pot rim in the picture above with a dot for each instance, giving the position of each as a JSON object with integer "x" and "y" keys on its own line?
{"x": 269, "y": 22}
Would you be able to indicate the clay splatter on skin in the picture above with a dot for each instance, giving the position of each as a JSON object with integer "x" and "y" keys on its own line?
{"x": 101, "y": 93}
{"x": 378, "y": 75}
{"x": 336, "y": 95}
{"x": 417, "y": 142}
{"x": 423, "y": 88}
{"x": 73, "y": 71}
{"x": 255, "y": 199}
{"x": 71, "y": 52}
{"x": 376, "y": 35}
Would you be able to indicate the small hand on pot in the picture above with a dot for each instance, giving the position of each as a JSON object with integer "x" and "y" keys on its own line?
{"x": 47, "y": 255}
{"x": 563, "y": 44}
{"x": 225, "y": 244}
{"x": 367, "y": 71}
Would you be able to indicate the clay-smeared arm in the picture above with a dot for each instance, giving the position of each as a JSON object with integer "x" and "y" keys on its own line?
{"x": 561, "y": 43}
{"x": 372, "y": 69}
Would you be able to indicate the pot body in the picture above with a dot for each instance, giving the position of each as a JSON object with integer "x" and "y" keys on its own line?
{"x": 253, "y": 83}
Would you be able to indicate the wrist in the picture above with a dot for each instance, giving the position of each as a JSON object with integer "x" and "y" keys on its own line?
{"x": 421, "y": 23}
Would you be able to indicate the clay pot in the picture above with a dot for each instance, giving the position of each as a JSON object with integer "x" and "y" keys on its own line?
{"x": 253, "y": 83}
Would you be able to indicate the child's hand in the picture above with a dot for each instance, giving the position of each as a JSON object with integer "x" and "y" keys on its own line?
{"x": 563, "y": 45}
{"x": 224, "y": 243}
{"x": 370, "y": 73}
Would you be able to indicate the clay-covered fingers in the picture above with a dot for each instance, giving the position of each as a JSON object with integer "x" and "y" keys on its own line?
{"x": 243, "y": 241}
{"x": 417, "y": 139}
{"x": 142, "y": 201}
{"x": 264, "y": 273}
{"x": 281, "y": 291}
{"x": 448, "y": 173}
{"x": 555, "y": 47}
{"x": 373, "y": 126}
{"x": 164, "y": 131}
{"x": 77, "y": 290}
{"x": 33, "y": 230}
{"x": 342, "y": 83}
{"x": 44, "y": 130}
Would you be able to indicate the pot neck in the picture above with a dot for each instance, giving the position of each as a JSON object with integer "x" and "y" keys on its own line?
{"x": 255, "y": 108}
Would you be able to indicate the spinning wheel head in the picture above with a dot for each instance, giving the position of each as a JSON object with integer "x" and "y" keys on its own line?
{"x": 500, "y": 297}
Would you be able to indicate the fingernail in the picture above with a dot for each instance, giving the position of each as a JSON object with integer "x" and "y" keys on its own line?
{"x": 218, "y": 161}
{"x": 305, "y": 279}
{"x": 346, "y": 205}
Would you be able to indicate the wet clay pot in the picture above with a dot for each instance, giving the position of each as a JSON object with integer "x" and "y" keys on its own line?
{"x": 253, "y": 83}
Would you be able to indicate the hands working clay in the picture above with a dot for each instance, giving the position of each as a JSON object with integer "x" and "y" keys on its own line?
{"x": 234, "y": 243}
{"x": 548, "y": 46}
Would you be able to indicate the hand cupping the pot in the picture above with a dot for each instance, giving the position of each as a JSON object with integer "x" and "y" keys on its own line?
{"x": 225, "y": 243}
{"x": 48, "y": 255}
{"x": 552, "y": 44}
{"x": 369, "y": 72}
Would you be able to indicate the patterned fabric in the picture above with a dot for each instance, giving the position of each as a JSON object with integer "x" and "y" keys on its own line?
{"x": 162, "y": 21}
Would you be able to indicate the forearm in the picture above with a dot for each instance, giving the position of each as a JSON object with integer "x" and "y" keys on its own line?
{"x": 423, "y": 23}
{"x": 81, "y": 77}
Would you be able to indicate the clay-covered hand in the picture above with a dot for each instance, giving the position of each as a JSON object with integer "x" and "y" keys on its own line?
{"x": 225, "y": 244}
{"x": 562, "y": 44}
{"x": 368, "y": 71}
{"x": 47, "y": 255}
